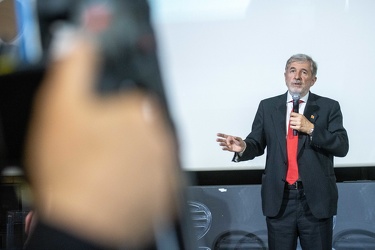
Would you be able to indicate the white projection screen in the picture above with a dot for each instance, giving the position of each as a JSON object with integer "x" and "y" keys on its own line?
{"x": 220, "y": 58}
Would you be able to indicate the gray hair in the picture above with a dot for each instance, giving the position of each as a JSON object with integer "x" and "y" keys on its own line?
{"x": 303, "y": 58}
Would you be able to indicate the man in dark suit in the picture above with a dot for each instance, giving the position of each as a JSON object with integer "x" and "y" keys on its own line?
{"x": 304, "y": 207}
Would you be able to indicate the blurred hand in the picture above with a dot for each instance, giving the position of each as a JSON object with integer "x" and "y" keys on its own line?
{"x": 103, "y": 168}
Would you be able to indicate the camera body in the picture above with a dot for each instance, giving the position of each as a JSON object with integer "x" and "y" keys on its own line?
{"x": 121, "y": 28}
{"x": 124, "y": 33}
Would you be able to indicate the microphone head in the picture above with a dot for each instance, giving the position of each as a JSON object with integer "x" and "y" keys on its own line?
{"x": 295, "y": 97}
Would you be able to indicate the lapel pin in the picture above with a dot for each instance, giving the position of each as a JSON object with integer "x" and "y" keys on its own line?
{"x": 312, "y": 116}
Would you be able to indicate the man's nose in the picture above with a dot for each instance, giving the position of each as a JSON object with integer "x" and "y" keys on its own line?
{"x": 297, "y": 75}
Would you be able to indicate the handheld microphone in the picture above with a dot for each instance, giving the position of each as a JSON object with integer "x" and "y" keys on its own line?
{"x": 295, "y": 98}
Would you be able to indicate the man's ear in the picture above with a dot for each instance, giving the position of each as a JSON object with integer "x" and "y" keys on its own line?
{"x": 313, "y": 81}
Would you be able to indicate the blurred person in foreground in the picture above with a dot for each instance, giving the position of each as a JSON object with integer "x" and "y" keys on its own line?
{"x": 103, "y": 169}
{"x": 302, "y": 132}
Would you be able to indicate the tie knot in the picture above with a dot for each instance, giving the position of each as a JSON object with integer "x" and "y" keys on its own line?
{"x": 300, "y": 101}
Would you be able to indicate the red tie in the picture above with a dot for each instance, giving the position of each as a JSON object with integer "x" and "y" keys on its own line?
{"x": 292, "y": 146}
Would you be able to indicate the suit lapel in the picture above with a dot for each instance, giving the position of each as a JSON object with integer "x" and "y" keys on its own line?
{"x": 311, "y": 113}
{"x": 311, "y": 110}
{"x": 279, "y": 121}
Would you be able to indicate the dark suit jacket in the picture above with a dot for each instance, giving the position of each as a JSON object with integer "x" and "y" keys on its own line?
{"x": 315, "y": 154}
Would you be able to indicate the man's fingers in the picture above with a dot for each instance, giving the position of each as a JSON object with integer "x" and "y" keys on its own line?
{"x": 229, "y": 142}
{"x": 222, "y": 135}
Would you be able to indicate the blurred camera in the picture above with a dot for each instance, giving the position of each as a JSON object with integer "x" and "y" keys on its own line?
{"x": 121, "y": 28}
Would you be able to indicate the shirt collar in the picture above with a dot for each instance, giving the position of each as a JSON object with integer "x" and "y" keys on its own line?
{"x": 304, "y": 98}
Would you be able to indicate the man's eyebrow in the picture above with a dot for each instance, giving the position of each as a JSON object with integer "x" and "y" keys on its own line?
{"x": 296, "y": 68}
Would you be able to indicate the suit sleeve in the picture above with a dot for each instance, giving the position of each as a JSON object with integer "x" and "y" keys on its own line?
{"x": 255, "y": 141}
{"x": 332, "y": 138}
